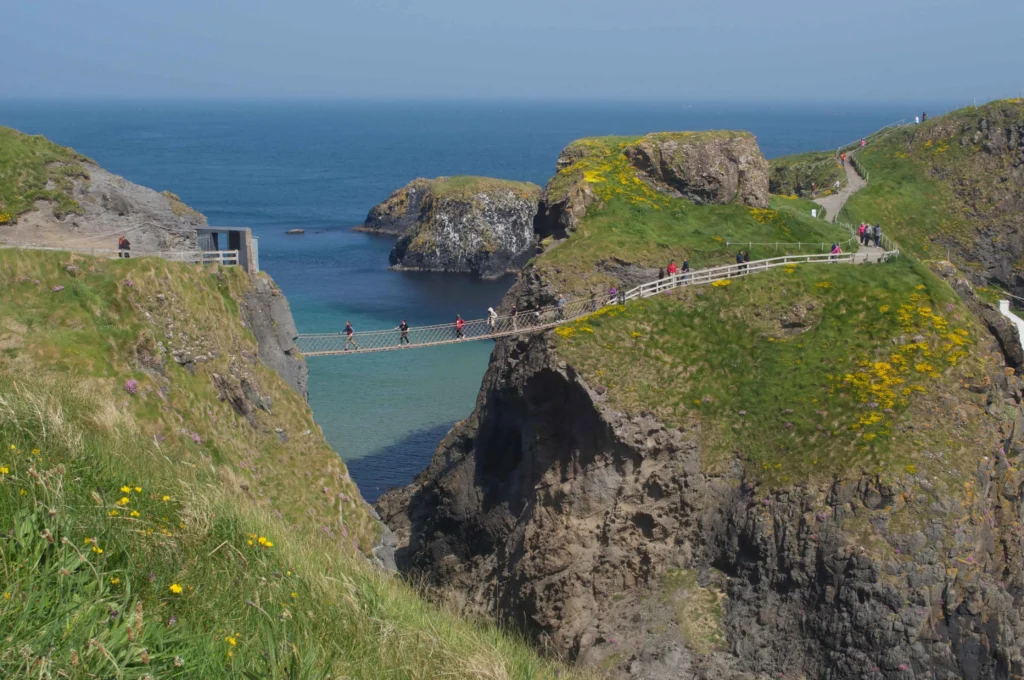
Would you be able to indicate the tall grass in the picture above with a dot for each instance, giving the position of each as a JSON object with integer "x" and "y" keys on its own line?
{"x": 119, "y": 561}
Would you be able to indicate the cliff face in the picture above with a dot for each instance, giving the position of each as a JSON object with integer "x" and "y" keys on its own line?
{"x": 268, "y": 315}
{"x": 705, "y": 167}
{"x": 610, "y": 537}
{"x": 460, "y": 224}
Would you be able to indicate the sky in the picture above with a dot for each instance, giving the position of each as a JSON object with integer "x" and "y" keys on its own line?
{"x": 703, "y": 50}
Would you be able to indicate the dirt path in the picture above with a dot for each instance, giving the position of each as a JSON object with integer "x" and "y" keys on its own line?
{"x": 834, "y": 203}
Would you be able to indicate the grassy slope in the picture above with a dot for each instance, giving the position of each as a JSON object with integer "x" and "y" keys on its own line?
{"x": 91, "y": 570}
{"x": 928, "y": 190}
{"x": 794, "y": 174}
{"x": 851, "y": 386}
{"x": 28, "y": 164}
{"x": 635, "y": 223}
{"x": 854, "y": 388}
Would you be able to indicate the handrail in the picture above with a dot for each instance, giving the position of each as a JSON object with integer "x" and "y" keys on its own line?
{"x": 225, "y": 257}
{"x": 551, "y": 316}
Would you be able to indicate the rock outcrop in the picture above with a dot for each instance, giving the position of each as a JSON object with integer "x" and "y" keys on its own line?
{"x": 475, "y": 225}
{"x": 716, "y": 167}
{"x": 606, "y": 538}
{"x": 401, "y": 212}
{"x": 705, "y": 167}
{"x": 111, "y": 206}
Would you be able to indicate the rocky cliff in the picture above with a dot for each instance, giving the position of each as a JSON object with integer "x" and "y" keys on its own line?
{"x": 63, "y": 198}
{"x": 476, "y": 225}
{"x": 813, "y": 472}
{"x": 628, "y": 544}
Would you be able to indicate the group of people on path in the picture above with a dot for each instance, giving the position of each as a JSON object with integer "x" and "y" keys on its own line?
{"x": 869, "y": 234}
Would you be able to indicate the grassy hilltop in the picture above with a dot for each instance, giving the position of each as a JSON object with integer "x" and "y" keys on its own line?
{"x": 150, "y": 530}
{"x": 806, "y": 372}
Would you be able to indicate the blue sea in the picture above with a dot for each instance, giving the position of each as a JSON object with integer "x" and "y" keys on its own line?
{"x": 321, "y": 166}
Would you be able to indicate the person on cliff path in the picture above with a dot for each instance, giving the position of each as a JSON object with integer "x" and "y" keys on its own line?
{"x": 686, "y": 271}
{"x": 842, "y": 159}
{"x": 403, "y": 335}
{"x": 560, "y": 304}
{"x": 863, "y": 143}
{"x": 739, "y": 262}
{"x": 672, "y": 269}
{"x": 459, "y": 325}
{"x": 860, "y": 233}
{"x": 837, "y": 185}
{"x": 123, "y": 247}
{"x": 876, "y": 231}
{"x": 613, "y": 293}
{"x": 836, "y": 252}
{"x": 350, "y": 341}
{"x": 492, "y": 320}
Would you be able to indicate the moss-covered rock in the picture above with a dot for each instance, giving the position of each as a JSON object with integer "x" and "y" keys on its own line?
{"x": 477, "y": 225}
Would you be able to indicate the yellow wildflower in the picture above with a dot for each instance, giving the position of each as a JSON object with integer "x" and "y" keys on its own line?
{"x": 165, "y": 499}
{"x": 176, "y": 589}
{"x": 125, "y": 489}
{"x": 7, "y": 596}
{"x": 98, "y": 550}
{"x": 295, "y": 595}
{"x": 114, "y": 513}
{"x": 231, "y": 640}
{"x": 124, "y": 501}
{"x": 135, "y": 513}
{"x": 114, "y": 581}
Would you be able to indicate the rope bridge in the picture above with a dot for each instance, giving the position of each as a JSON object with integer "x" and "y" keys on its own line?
{"x": 544, "y": 318}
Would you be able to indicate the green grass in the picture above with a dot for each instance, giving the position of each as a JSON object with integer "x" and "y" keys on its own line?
{"x": 793, "y": 175}
{"x": 806, "y": 372}
{"x": 467, "y": 186}
{"x": 121, "y": 559}
{"x": 677, "y": 229}
{"x": 933, "y": 186}
{"x": 32, "y": 168}
{"x": 86, "y": 577}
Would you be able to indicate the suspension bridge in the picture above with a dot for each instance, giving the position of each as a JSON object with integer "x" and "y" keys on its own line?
{"x": 544, "y": 318}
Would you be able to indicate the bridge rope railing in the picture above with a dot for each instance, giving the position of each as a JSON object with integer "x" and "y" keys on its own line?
{"x": 551, "y": 316}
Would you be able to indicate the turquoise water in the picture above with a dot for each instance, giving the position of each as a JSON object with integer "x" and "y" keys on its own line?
{"x": 321, "y": 165}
